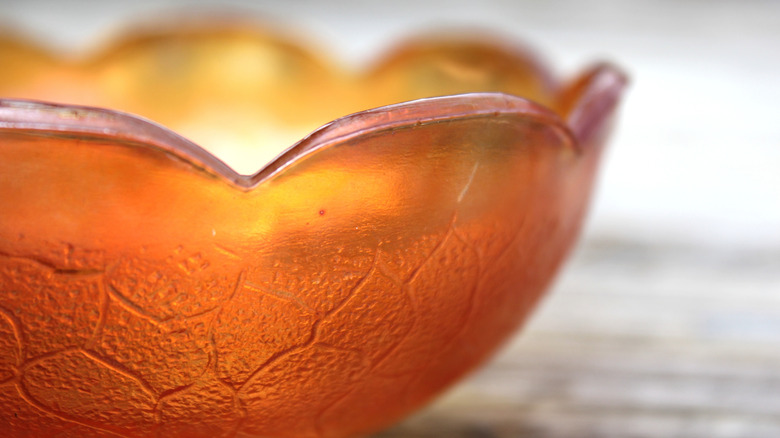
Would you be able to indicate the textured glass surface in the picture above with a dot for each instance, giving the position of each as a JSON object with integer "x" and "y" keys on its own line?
{"x": 147, "y": 288}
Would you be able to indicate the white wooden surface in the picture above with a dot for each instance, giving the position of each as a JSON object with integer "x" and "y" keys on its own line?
{"x": 633, "y": 341}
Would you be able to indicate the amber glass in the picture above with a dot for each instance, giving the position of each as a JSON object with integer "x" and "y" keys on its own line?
{"x": 148, "y": 289}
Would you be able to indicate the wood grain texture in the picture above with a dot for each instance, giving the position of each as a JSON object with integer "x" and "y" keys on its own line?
{"x": 635, "y": 341}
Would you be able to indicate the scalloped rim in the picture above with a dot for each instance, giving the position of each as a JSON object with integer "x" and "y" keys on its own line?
{"x": 605, "y": 84}
{"x": 54, "y": 119}
{"x": 601, "y": 93}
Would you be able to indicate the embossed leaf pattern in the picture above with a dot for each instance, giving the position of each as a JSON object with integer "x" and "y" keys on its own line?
{"x": 326, "y": 299}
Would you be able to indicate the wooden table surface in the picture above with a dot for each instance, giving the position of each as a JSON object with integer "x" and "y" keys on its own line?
{"x": 634, "y": 340}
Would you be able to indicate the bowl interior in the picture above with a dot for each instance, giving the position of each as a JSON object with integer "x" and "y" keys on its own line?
{"x": 245, "y": 95}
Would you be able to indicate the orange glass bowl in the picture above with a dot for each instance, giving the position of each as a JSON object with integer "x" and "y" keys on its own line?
{"x": 148, "y": 289}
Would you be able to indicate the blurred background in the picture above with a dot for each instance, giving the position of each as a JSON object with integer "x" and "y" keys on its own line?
{"x": 666, "y": 320}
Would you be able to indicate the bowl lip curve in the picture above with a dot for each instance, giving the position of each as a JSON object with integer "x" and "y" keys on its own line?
{"x": 46, "y": 118}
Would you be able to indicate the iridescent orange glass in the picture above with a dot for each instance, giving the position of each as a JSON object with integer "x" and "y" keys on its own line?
{"x": 148, "y": 289}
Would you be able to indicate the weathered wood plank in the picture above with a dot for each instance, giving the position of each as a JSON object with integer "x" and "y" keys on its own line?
{"x": 634, "y": 341}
